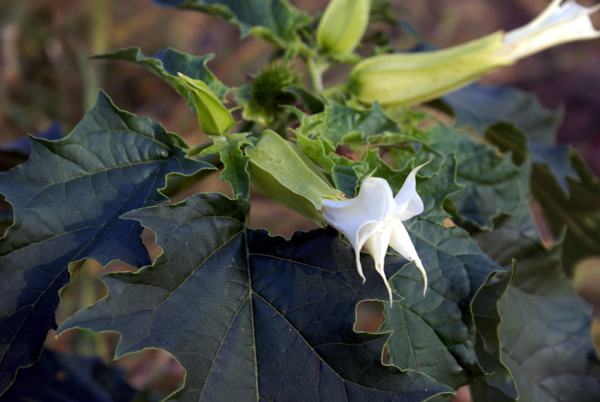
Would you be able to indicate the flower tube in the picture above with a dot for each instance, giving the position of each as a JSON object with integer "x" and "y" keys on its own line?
{"x": 410, "y": 78}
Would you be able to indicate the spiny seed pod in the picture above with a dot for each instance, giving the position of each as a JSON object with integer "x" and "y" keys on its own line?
{"x": 262, "y": 100}
{"x": 343, "y": 25}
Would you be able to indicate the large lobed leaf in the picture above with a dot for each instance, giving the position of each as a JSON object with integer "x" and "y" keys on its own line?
{"x": 436, "y": 334}
{"x": 251, "y": 316}
{"x": 67, "y": 201}
{"x": 546, "y": 328}
{"x": 577, "y": 209}
{"x": 567, "y": 190}
{"x": 492, "y": 111}
{"x": 276, "y": 21}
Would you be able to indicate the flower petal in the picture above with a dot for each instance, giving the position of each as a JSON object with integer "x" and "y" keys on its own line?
{"x": 359, "y": 217}
{"x": 558, "y": 23}
{"x": 361, "y": 238}
{"x": 377, "y": 245}
{"x": 408, "y": 201}
{"x": 401, "y": 242}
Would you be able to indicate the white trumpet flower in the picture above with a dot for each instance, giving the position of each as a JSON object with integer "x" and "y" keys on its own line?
{"x": 560, "y": 22}
{"x": 411, "y": 78}
{"x": 373, "y": 221}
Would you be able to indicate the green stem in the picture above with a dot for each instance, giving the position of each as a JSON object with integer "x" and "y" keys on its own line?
{"x": 316, "y": 68}
{"x": 199, "y": 148}
{"x": 330, "y": 91}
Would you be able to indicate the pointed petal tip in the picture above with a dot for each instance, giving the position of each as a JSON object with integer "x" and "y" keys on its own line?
{"x": 359, "y": 267}
{"x": 419, "y": 265}
{"x": 389, "y": 289}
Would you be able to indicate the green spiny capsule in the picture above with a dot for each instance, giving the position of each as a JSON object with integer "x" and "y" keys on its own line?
{"x": 410, "y": 78}
{"x": 343, "y": 25}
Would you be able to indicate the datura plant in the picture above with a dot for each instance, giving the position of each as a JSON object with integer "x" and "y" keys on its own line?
{"x": 426, "y": 217}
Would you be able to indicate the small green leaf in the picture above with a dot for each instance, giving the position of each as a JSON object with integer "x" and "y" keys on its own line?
{"x": 344, "y": 124}
{"x": 167, "y": 63}
{"x": 235, "y": 170}
{"x": 68, "y": 200}
{"x": 276, "y": 21}
{"x": 311, "y": 102}
{"x": 250, "y": 316}
{"x": 213, "y": 117}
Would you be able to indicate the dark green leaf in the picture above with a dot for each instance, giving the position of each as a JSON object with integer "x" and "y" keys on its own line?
{"x": 580, "y": 212}
{"x": 58, "y": 377}
{"x": 235, "y": 170}
{"x": 512, "y": 116}
{"x": 167, "y": 63}
{"x": 554, "y": 160}
{"x": 347, "y": 174}
{"x": 436, "y": 334}
{"x": 491, "y": 180}
{"x": 577, "y": 209}
{"x": 478, "y": 106}
{"x": 251, "y": 316}
{"x": 343, "y": 124}
{"x": 312, "y": 103}
{"x": 275, "y": 21}
{"x": 546, "y": 334}
{"x": 67, "y": 202}
{"x": 500, "y": 386}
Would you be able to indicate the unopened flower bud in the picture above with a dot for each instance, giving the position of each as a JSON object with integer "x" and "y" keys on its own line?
{"x": 343, "y": 25}
{"x": 213, "y": 117}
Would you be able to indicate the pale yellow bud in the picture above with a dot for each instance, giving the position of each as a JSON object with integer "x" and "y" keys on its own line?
{"x": 343, "y": 25}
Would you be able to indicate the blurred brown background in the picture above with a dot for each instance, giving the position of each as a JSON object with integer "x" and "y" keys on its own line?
{"x": 45, "y": 77}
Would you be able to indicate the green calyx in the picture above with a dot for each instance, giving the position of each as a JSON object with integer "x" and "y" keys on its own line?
{"x": 411, "y": 78}
{"x": 213, "y": 117}
{"x": 284, "y": 174}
